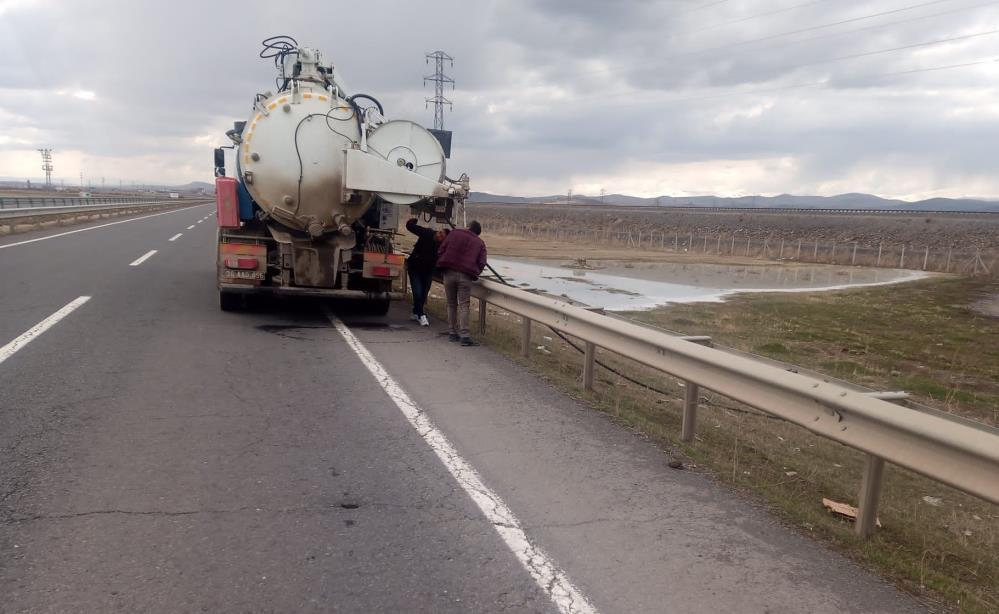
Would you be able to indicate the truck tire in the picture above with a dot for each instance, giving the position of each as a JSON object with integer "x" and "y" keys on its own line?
{"x": 378, "y": 307}
{"x": 230, "y": 301}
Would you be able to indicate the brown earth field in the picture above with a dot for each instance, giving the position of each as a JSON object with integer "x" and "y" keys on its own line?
{"x": 935, "y": 230}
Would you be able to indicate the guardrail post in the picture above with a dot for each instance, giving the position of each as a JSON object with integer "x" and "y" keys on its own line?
{"x": 589, "y": 362}
{"x": 482, "y": 316}
{"x": 691, "y": 392}
{"x": 870, "y": 492}
{"x": 525, "y": 336}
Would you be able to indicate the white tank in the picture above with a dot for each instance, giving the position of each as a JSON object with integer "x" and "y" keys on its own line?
{"x": 292, "y": 157}
{"x": 296, "y": 148}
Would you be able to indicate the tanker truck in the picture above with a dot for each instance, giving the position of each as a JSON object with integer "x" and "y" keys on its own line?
{"x": 312, "y": 204}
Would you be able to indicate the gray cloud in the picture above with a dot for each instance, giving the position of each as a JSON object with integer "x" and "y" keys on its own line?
{"x": 550, "y": 93}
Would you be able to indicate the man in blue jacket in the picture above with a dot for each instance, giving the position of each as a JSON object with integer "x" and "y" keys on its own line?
{"x": 421, "y": 265}
{"x": 461, "y": 258}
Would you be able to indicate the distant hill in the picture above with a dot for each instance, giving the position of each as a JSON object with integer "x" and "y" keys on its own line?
{"x": 844, "y": 201}
{"x": 194, "y": 186}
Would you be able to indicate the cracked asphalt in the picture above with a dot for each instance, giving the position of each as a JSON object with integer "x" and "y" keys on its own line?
{"x": 158, "y": 455}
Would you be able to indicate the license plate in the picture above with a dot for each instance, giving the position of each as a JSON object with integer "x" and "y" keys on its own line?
{"x": 257, "y": 275}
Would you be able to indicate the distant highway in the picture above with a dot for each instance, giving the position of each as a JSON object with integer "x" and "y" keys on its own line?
{"x": 159, "y": 455}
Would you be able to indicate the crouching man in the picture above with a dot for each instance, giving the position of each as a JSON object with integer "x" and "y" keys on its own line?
{"x": 460, "y": 259}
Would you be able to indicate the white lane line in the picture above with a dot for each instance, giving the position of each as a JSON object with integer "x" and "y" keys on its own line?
{"x": 552, "y": 580}
{"x": 73, "y": 232}
{"x": 143, "y": 258}
{"x": 176, "y": 236}
{"x": 201, "y": 220}
{"x": 190, "y": 227}
{"x": 29, "y": 335}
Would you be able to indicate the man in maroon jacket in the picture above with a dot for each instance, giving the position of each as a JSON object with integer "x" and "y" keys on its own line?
{"x": 460, "y": 259}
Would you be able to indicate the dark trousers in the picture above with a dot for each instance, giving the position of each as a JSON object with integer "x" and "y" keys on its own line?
{"x": 420, "y": 283}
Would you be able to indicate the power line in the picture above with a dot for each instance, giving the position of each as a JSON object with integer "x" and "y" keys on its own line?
{"x": 893, "y": 49}
{"x": 804, "y": 85}
{"x": 702, "y": 6}
{"x": 772, "y": 36}
{"x": 759, "y": 15}
{"x": 822, "y": 27}
{"x": 850, "y": 57}
{"x": 881, "y": 25}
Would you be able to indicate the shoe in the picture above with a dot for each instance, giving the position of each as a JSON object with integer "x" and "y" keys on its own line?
{"x": 468, "y": 342}
{"x": 453, "y": 337}
{"x": 424, "y": 321}
{"x": 414, "y": 317}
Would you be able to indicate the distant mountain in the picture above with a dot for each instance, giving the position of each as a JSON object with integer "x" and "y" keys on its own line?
{"x": 194, "y": 186}
{"x": 840, "y": 201}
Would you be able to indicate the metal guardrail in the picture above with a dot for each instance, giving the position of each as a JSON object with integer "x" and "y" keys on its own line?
{"x": 958, "y": 453}
{"x": 27, "y": 202}
{"x": 14, "y": 214}
{"x": 35, "y": 216}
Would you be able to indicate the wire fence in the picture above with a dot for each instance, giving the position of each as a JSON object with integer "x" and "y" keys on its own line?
{"x": 968, "y": 262}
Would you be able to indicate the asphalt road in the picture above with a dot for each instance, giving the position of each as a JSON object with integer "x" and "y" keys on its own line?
{"x": 158, "y": 455}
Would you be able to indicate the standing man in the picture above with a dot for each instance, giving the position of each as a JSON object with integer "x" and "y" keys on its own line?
{"x": 421, "y": 265}
{"x": 461, "y": 258}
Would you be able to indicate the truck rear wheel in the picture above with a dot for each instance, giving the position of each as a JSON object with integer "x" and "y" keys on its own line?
{"x": 379, "y": 307}
{"x": 230, "y": 301}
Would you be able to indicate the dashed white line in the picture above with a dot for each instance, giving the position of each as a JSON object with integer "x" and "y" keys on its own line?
{"x": 73, "y": 232}
{"x": 201, "y": 220}
{"x": 32, "y": 333}
{"x": 190, "y": 227}
{"x": 176, "y": 236}
{"x": 552, "y": 580}
{"x": 143, "y": 258}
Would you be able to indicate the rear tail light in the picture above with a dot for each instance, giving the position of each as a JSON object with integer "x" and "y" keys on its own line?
{"x": 235, "y": 262}
{"x": 381, "y": 271}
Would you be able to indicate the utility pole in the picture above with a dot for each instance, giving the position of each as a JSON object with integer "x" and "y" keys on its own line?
{"x": 47, "y": 166}
{"x": 81, "y": 180}
{"x": 603, "y": 193}
{"x": 570, "y": 196}
{"x": 439, "y": 79}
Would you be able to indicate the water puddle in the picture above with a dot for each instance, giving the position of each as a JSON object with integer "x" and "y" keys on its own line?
{"x": 626, "y": 287}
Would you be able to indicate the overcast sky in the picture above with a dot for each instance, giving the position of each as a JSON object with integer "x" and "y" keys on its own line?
{"x": 677, "y": 97}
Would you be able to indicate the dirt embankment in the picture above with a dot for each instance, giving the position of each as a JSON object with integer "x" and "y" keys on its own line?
{"x": 936, "y": 230}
